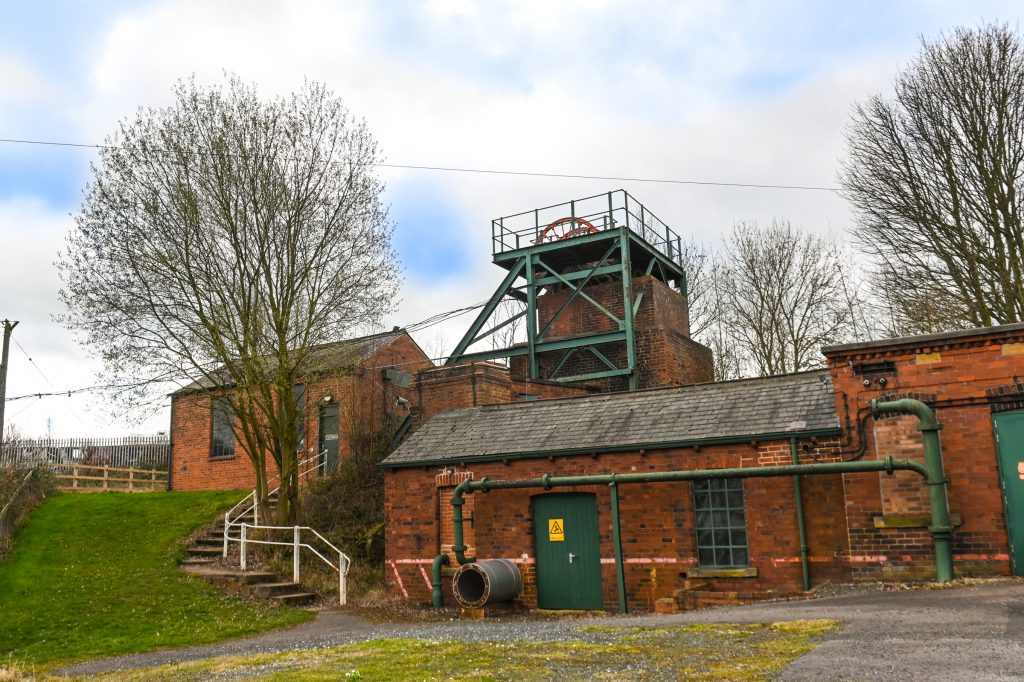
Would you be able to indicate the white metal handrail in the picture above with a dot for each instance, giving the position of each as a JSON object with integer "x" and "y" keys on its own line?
{"x": 297, "y": 545}
{"x": 231, "y": 519}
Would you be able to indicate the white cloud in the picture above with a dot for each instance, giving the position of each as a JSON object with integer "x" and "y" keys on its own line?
{"x": 661, "y": 89}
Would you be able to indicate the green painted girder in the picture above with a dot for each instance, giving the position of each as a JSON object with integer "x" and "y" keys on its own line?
{"x": 488, "y": 309}
{"x": 543, "y": 347}
{"x": 590, "y": 376}
{"x": 577, "y": 290}
{"x": 583, "y": 274}
{"x": 553, "y": 374}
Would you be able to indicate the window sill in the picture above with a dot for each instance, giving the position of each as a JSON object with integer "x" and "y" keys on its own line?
{"x": 222, "y": 458}
{"x": 748, "y": 572}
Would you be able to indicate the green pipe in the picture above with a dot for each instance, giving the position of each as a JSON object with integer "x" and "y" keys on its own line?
{"x": 805, "y": 566}
{"x": 620, "y": 571}
{"x": 547, "y": 482}
{"x": 437, "y": 596}
{"x": 941, "y": 528}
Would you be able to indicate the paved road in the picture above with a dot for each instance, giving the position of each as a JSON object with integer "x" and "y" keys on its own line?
{"x": 966, "y": 633}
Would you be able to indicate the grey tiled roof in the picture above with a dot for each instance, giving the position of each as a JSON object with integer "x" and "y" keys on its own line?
{"x": 731, "y": 409}
{"x": 337, "y": 355}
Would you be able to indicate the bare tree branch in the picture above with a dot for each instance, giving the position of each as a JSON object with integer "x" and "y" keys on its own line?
{"x": 221, "y": 242}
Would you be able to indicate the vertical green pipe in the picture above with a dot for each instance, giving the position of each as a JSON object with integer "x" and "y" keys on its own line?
{"x": 805, "y": 567}
{"x": 627, "y": 305}
{"x": 531, "y": 316}
{"x": 941, "y": 528}
{"x": 620, "y": 572}
{"x": 437, "y": 596}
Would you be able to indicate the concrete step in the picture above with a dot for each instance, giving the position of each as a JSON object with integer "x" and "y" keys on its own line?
{"x": 266, "y": 590}
{"x": 192, "y": 562}
{"x": 204, "y": 551}
{"x": 295, "y": 599}
{"x": 209, "y": 541}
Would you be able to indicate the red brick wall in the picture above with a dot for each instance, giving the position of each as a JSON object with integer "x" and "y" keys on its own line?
{"x": 955, "y": 377}
{"x": 666, "y": 356}
{"x": 456, "y": 387}
{"x": 658, "y": 536}
{"x": 364, "y": 397}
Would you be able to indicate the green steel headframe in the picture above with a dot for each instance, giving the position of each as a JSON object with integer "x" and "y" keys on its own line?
{"x": 607, "y": 236}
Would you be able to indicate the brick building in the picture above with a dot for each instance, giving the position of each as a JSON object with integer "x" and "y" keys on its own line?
{"x": 358, "y": 382}
{"x": 609, "y": 382}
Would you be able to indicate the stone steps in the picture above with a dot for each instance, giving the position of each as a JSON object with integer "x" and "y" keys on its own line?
{"x": 204, "y": 558}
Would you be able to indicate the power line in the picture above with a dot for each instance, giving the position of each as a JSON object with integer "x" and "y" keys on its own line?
{"x": 50, "y": 383}
{"x": 492, "y": 171}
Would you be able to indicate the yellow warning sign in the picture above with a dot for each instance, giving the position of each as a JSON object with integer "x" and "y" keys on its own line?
{"x": 556, "y": 530}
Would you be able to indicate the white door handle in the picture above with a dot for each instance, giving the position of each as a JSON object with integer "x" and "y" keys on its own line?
{"x": 571, "y": 557}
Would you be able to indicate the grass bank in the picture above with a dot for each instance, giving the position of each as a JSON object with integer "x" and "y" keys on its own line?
{"x": 96, "y": 575}
{"x": 736, "y": 653}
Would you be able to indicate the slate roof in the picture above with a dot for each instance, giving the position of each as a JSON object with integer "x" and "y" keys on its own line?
{"x": 736, "y": 410}
{"x": 335, "y": 355}
{"x": 923, "y": 339}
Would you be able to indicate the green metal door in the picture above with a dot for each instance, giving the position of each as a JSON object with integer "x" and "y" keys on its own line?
{"x": 568, "y": 552}
{"x": 1010, "y": 443}
{"x": 329, "y": 436}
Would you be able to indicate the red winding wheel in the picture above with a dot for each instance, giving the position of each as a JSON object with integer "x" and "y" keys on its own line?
{"x": 564, "y": 228}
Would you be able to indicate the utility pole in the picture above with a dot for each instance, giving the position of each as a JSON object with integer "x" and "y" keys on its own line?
{"x": 8, "y": 328}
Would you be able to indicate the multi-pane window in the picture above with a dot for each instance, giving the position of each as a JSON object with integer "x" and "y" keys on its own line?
{"x": 222, "y": 444}
{"x": 721, "y": 522}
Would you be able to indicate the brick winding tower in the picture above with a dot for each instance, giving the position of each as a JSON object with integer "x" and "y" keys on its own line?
{"x": 601, "y": 294}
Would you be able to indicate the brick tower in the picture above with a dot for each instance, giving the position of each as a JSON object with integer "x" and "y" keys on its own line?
{"x": 573, "y": 268}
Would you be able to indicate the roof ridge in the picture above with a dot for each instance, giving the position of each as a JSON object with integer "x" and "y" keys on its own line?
{"x": 681, "y": 388}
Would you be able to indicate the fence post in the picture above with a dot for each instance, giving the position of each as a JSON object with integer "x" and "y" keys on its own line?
{"x": 342, "y": 592}
{"x": 242, "y": 559}
{"x": 74, "y": 476}
{"x": 131, "y": 480}
{"x": 295, "y": 553}
{"x": 106, "y": 477}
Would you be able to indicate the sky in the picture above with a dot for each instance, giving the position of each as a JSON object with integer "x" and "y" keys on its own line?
{"x": 742, "y": 92}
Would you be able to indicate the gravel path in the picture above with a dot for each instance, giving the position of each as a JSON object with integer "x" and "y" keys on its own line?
{"x": 966, "y": 633}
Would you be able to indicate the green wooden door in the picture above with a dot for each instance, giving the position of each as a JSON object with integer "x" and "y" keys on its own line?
{"x": 568, "y": 552}
{"x": 329, "y": 436}
{"x": 1010, "y": 441}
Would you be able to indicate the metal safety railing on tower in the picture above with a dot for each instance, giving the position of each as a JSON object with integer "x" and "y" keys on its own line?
{"x": 598, "y": 213}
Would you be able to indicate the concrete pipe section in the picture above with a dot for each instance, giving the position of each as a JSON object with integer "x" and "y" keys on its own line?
{"x": 486, "y": 582}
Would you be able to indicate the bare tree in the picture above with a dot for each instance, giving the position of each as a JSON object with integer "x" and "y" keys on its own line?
{"x": 224, "y": 239}
{"x": 936, "y": 174}
{"x": 784, "y": 295}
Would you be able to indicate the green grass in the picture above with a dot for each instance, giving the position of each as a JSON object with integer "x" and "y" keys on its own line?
{"x": 697, "y": 652}
{"x": 96, "y": 575}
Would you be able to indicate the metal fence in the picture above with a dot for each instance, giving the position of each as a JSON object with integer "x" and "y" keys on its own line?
{"x": 142, "y": 452}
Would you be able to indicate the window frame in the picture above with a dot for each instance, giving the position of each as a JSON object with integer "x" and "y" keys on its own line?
{"x": 228, "y": 410}
{"x": 727, "y": 488}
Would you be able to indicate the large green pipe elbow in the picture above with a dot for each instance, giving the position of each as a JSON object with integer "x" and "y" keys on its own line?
{"x": 459, "y": 547}
{"x": 437, "y": 596}
{"x": 941, "y": 528}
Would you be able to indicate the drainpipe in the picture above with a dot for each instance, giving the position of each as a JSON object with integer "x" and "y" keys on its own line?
{"x": 437, "y": 596}
{"x": 620, "y": 571}
{"x": 805, "y": 567}
{"x": 547, "y": 482}
{"x": 941, "y": 528}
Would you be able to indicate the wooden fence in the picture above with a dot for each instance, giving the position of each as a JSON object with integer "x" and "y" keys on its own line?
{"x": 143, "y": 452}
{"x": 88, "y": 478}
